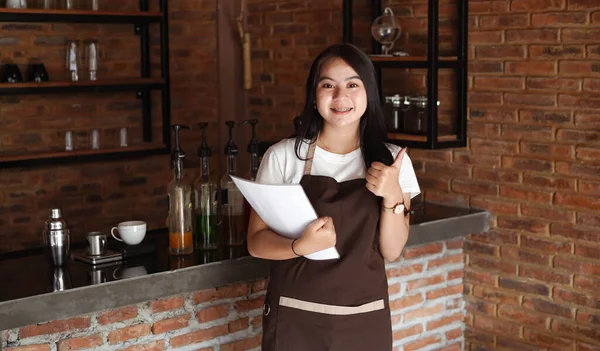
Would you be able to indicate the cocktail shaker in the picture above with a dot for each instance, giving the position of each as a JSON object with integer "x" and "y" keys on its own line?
{"x": 57, "y": 238}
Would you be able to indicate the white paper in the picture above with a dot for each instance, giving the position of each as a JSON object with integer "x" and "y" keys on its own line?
{"x": 284, "y": 208}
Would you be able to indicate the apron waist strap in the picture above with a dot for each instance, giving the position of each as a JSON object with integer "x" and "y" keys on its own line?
{"x": 330, "y": 309}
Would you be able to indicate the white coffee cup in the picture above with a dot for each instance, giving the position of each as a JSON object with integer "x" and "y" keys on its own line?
{"x": 131, "y": 232}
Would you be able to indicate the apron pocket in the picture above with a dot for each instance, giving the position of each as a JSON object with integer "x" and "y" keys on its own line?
{"x": 299, "y": 330}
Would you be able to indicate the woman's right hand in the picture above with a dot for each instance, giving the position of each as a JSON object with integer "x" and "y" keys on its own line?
{"x": 318, "y": 235}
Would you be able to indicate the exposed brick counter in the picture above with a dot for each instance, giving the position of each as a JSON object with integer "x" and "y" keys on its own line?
{"x": 218, "y": 306}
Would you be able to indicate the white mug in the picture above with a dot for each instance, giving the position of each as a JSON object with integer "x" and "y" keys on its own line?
{"x": 131, "y": 232}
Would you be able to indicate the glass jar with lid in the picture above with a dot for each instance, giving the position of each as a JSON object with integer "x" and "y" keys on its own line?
{"x": 394, "y": 107}
{"x": 415, "y": 117}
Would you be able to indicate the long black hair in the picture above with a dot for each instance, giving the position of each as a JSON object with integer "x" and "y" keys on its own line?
{"x": 373, "y": 131}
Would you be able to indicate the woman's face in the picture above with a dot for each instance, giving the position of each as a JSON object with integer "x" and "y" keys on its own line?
{"x": 341, "y": 95}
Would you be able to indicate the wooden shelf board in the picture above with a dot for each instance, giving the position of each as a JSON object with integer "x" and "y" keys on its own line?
{"x": 142, "y": 14}
{"x": 88, "y": 152}
{"x": 382, "y": 58}
{"x": 83, "y": 83}
{"x": 423, "y": 138}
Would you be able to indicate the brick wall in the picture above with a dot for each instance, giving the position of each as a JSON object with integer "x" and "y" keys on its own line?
{"x": 426, "y": 299}
{"x": 97, "y": 196}
{"x": 531, "y": 159}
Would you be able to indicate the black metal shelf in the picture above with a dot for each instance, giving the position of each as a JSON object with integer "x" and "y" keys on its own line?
{"x": 432, "y": 63}
{"x": 78, "y": 16}
{"x": 412, "y": 62}
{"x": 66, "y": 157}
{"x": 135, "y": 84}
{"x": 142, "y": 85}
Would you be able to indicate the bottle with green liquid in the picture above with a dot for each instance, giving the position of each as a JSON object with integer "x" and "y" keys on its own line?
{"x": 206, "y": 228}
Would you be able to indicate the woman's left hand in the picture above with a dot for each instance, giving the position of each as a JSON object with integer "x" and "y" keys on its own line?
{"x": 382, "y": 180}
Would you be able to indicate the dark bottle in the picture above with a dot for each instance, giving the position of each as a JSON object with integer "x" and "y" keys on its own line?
{"x": 232, "y": 200}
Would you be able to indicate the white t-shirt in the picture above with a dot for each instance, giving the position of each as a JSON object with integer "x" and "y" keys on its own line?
{"x": 280, "y": 165}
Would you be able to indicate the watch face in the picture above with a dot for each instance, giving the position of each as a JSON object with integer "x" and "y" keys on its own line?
{"x": 398, "y": 209}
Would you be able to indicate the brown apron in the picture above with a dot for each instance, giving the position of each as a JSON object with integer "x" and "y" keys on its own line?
{"x": 332, "y": 305}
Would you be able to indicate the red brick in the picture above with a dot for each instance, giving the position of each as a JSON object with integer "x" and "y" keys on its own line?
{"x": 127, "y": 333}
{"x": 480, "y": 277}
{"x": 495, "y": 325}
{"x": 169, "y": 324}
{"x": 495, "y": 206}
{"x": 424, "y": 282}
{"x": 561, "y": 84}
{"x": 588, "y": 154}
{"x": 446, "y": 260}
{"x": 212, "y": 313}
{"x": 451, "y": 290}
{"x": 236, "y": 290}
{"x": 579, "y": 68}
{"x": 500, "y": 51}
{"x": 53, "y": 327}
{"x": 454, "y": 334}
{"x": 587, "y": 347}
{"x": 84, "y": 342}
{"x": 531, "y": 68}
{"x": 547, "y": 150}
{"x": 546, "y": 340}
{"x": 545, "y": 35}
{"x": 522, "y": 255}
{"x": 168, "y": 304}
{"x": 117, "y": 315}
{"x": 406, "y": 301}
{"x": 249, "y": 305}
{"x": 238, "y": 324}
{"x": 484, "y": 37}
{"x": 407, "y": 332}
{"x": 539, "y": 180}
{"x": 536, "y": 5}
{"x": 495, "y": 295}
{"x": 154, "y": 346}
{"x": 494, "y": 115}
{"x": 589, "y": 202}
{"x": 422, "y": 342}
{"x": 524, "y": 286}
{"x": 241, "y": 345}
{"x": 504, "y": 21}
{"x": 199, "y": 336}
{"x": 423, "y": 312}
{"x": 548, "y": 307}
{"x": 549, "y": 213}
{"x": 529, "y": 99}
{"x": 493, "y": 265}
{"x": 204, "y": 296}
{"x": 494, "y": 146}
{"x": 518, "y": 193}
{"x": 445, "y": 321}
{"x": 403, "y": 271}
{"x": 424, "y": 250}
{"x": 480, "y": 98}
{"x": 38, "y": 347}
{"x": 455, "y": 244}
{"x": 558, "y": 19}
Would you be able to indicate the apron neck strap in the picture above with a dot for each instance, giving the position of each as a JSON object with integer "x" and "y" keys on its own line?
{"x": 309, "y": 156}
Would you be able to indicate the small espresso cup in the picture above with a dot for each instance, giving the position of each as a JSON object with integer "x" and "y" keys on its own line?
{"x": 131, "y": 232}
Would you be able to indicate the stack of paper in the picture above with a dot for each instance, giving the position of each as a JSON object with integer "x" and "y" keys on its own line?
{"x": 284, "y": 208}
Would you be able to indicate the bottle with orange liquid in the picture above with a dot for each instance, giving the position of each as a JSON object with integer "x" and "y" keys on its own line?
{"x": 181, "y": 241}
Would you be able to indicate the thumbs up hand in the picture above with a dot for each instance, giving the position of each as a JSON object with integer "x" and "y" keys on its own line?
{"x": 382, "y": 180}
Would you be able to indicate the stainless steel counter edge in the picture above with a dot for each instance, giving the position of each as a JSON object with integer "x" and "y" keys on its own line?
{"x": 94, "y": 298}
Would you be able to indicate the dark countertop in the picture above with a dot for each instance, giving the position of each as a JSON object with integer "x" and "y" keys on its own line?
{"x": 32, "y": 291}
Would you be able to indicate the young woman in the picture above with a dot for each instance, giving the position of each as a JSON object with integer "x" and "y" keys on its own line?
{"x": 361, "y": 187}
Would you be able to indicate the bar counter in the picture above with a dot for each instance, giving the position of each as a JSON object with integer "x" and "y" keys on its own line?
{"x": 33, "y": 292}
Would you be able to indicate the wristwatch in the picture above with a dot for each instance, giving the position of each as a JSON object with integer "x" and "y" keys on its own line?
{"x": 396, "y": 209}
